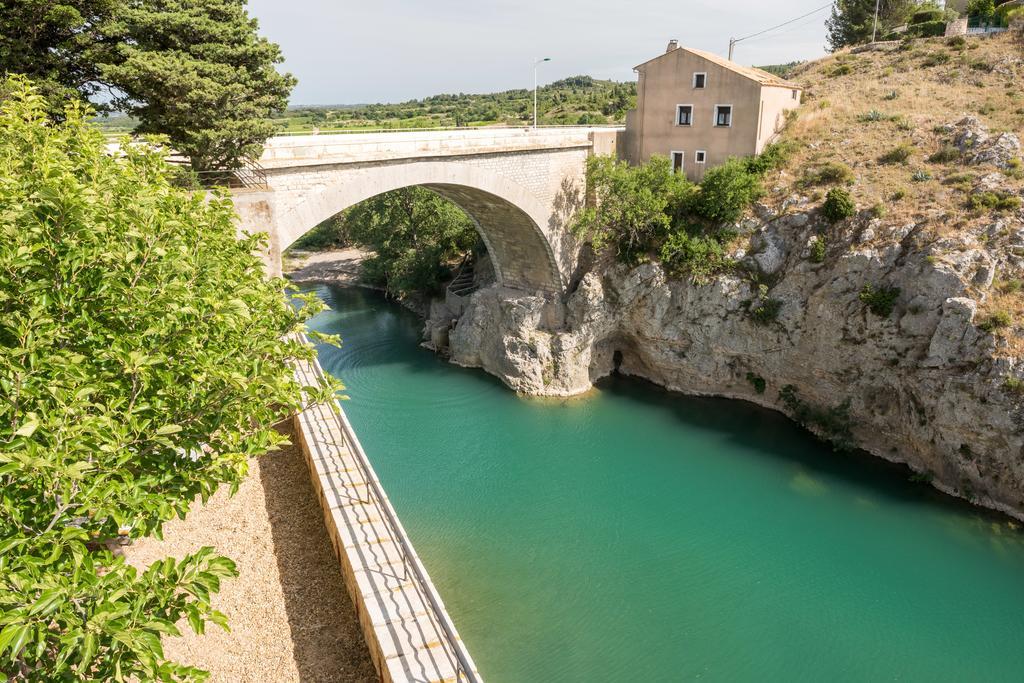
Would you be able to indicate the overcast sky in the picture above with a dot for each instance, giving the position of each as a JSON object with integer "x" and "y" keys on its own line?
{"x": 347, "y": 52}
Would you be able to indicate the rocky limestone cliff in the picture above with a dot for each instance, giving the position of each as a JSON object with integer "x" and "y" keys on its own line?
{"x": 922, "y": 384}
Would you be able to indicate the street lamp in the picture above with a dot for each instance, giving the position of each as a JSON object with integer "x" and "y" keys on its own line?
{"x": 535, "y": 65}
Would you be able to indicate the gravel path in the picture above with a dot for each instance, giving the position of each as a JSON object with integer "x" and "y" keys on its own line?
{"x": 290, "y": 615}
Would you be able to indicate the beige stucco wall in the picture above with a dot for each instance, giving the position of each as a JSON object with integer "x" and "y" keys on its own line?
{"x": 775, "y": 102}
{"x": 667, "y": 82}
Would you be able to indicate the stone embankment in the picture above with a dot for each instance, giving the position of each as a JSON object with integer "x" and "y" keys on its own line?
{"x": 924, "y": 379}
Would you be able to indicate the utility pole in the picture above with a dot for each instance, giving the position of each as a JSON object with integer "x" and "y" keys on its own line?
{"x": 874, "y": 31}
{"x": 535, "y": 65}
{"x": 732, "y": 44}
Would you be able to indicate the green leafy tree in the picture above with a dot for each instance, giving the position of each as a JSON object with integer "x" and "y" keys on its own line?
{"x": 852, "y": 21}
{"x": 726, "y": 191}
{"x": 415, "y": 234}
{"x": 143, "y": 361}
{"x": 632, "y": 208}
{"x": 59, "y": 44}
{"x": 198, "y": 72}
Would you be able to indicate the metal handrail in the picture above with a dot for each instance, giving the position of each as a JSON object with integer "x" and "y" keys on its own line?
{"x": 463, "y": 667}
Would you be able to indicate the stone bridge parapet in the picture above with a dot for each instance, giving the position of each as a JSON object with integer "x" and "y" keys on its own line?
{"x": 521, "y": 187}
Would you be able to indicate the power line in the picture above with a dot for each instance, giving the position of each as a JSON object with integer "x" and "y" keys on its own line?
{"x": 733, "y": 41}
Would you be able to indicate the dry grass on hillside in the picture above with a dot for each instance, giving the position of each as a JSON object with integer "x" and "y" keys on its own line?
{"x": 858, "y": 107}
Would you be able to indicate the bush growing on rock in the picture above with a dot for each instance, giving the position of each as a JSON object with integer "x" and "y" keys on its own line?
{"x": 997, "y": 320}
{"x": 897, "y": 155}
{"x": 633, "y": 206}
{"x": 698, "y": 255}
{"x": 879, "y": 300}
{"x": 993, "y": 201}
{"x": 831, "y": 173}
{"x": 142, "y": 363}
{"x": 838, "y": 205}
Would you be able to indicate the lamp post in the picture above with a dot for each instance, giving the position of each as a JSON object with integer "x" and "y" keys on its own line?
{"x": 535, "y": 65}
{"x": 874, "y": 31}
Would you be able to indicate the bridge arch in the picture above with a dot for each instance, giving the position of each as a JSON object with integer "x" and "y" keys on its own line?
{"x": 512, "y": 222}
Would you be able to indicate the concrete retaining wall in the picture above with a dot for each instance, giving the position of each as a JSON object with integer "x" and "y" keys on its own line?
{"x": 407, "y": 629}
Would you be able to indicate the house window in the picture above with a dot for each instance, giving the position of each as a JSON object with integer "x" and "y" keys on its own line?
{"x": 700, "y": 80}
{"x": 723, "y": 115}
{"x": 796, "y": 94}
{"x": 684, "y": 114}
{"x": 678, "y": 161}
{"x": 700, "y": 156}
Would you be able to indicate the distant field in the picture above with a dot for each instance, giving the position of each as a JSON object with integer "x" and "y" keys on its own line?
{"x": 580, "y": 100}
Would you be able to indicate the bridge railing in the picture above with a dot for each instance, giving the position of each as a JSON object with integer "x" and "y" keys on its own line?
{"x": 356, "y": 131}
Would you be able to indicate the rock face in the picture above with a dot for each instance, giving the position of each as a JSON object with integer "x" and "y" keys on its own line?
{"x": 919, "y": 384}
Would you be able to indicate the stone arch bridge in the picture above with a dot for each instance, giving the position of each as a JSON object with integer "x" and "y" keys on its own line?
{"x": 520, "y": 186}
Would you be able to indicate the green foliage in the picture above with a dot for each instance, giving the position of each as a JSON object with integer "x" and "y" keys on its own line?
{"x": 699, "y": 255}
{"x": 831, "y": 173}
{"x": 765, "y": 310}
{"x": 852, "y": 21}
{"x": 726, "y": 191}
{"x": 781, "y": 70}
{"x": 956, "y": 42}
{"x": 921, "y": 176}
{"x": 927, "y": 15}
{"x": 875, "y": 115}
{"x": 333, "y": 233}
{"x": 993, "y": 201}
{"x": 838, "y": 204}
{"x": 1014, "y": 385}
{"x": 945, "y": 155}
{"x": 834, "y": 424}
{"x": 142, "y": 363}
{"x": 930, "y": 29}
{"x": 757, "y": 382}
{"x": 569, "y": 101}
{"x": 897, "y": 155}
{"x": 773, "y": 157}
{"x": 981, "y": 9}
{"x": 819, "y": 248}
{"x": 414, "y": 233}
{"x": 60, "y": 44}
{"x": 199, "y": 73}
{"x": 633, "y": 206}
{"x": 937, "y": 58}
{"x": 997, "y": 320}
{"x": 880, "y": 300}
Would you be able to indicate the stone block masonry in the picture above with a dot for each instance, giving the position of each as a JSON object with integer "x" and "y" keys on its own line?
{"x": 522, "y": 188}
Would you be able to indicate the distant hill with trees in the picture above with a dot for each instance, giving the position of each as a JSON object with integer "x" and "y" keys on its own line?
{"x": 569, "y": 101}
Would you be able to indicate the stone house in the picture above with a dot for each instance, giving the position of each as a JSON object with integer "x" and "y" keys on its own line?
{"x": 699, "y": 109}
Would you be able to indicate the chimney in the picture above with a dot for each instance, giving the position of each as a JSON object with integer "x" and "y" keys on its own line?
{"x": 672, "y": 45}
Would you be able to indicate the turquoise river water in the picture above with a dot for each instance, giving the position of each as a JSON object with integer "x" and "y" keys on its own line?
{"x": 637, "y": 535}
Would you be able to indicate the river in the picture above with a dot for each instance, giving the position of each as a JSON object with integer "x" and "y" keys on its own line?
{"x": 637, "y": 535}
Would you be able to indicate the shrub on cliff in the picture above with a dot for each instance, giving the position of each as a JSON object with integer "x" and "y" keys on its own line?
{"x": 142, "y": 363}
{"x": 698, "y": 255}
{"x": 838, "y": 204}
{"x": 632, "y": 207}
{"x": 726, "y": 191}
{"x": 880, "y": 300}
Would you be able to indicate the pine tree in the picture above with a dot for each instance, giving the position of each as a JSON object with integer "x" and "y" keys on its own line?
{"x": 852, "y": 21}
{"x": 198, "y": 72}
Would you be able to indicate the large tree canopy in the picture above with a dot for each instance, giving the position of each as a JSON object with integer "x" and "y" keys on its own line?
{"x": 198, "y": 72}
{"x": 59, "y": 45}
{"x": 142, "y": 363}
{"x": 852, "y": 21}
